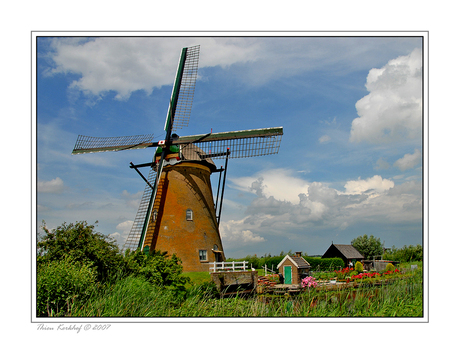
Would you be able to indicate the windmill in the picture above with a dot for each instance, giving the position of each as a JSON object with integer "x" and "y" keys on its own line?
{"x": 177, "y": 213}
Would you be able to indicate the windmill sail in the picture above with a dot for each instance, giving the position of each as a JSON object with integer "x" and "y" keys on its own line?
{"x": 87, "y": 144}
{"x": 183, "y": 91}
{"x": 187, "y": 89}
{"x": 243, "y": 143}
{"x": 132, "y": 242}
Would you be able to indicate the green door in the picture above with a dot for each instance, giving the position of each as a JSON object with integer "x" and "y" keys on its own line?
{"x": 287, "y": 275}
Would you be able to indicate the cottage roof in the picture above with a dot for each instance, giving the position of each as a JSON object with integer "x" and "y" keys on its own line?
{"x": 299, "y": 262}
{"x": 348, "y": 251}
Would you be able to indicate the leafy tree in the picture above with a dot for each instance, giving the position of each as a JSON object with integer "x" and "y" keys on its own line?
{"x": 405, "y": 254}
{"x": 368, "y": 246}
{"x": 83, "y": 244}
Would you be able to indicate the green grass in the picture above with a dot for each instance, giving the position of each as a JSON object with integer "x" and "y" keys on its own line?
{"x": 198, "y": 277}
{"x": 135, "y": 297}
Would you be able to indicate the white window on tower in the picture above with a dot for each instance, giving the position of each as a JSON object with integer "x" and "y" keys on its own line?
{"x": 189, "y": 215}
{"x": 203, "y": 255}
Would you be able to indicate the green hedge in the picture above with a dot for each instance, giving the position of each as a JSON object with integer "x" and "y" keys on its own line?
{"x": 325, "y": 264}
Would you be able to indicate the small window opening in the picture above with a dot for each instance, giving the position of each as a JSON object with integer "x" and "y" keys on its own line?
{"x": 203, "y": 255}
{"x": 189, "y": 215}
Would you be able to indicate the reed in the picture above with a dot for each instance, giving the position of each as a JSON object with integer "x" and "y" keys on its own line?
{"x": 135, "y": 297}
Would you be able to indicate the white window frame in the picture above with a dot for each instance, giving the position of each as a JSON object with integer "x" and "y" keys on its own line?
{"x": 201, "y": 253}
{"x": 189, "y": 215}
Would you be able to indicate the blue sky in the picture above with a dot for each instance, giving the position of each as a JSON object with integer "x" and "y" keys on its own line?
{"x": 350, "y": 161}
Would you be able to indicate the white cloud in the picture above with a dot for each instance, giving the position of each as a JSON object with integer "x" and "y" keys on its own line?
{"x": 54, "y": 186}
{"x": 124, "y": 228}
{"x": 125, "y": 65}
{"x": 236, "y": 233}
{"x": 377, "y": 184}
{"x": 371, "y": 200}
{"x": 132, "y": 200}
{"x": 392, "y": 109}
{"x": 324, "y": 139}
{"x": 409, "y": 160}
{"x": 281, "y": 184}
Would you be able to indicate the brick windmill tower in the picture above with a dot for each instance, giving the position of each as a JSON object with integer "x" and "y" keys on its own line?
{"x": 177, "y": 212}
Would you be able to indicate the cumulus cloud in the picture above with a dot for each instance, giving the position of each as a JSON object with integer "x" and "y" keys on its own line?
{"x": 409, "y": 160}
{"x": 375, "y": 184}
{"x": 281, "y": 184}
{"x": 392, "y": 110}
{"x": 124, "y": 228}
{"x": 237, "y": 233}
{"x": 125, "y": 65}
{"x": 54, "y": 186}
{"x": 369, "y": 200}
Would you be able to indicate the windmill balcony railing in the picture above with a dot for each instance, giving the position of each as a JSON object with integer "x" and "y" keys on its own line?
{"x": 215, "y": 267}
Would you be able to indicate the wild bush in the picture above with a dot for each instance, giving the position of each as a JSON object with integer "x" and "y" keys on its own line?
{"x": 359, "y": 267}
{"x": 389, "y": 268}
{"x": 60, "y": 283}
{"x": 325, "y": 264}
{"x": 405, "y": 254}
{"x": 83, "y": 244}
{"x": 158, "y": 268}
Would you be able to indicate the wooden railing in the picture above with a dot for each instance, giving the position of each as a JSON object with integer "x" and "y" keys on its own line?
{"x": 228, "y": 266}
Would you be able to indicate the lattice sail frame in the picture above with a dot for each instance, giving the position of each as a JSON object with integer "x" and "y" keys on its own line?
{"x": 187, "y": 89}
{"x": 243, "y": 143}
{"x": 132, "y": 242}
{"x": 87, "y": 144}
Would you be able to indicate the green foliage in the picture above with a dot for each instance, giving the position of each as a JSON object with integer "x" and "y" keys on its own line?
{"x": 135, "y": 297}
{"x": 368, "y": 246}
{"x": 157, "y": 268}
{"x": 389, "y": 268}
{"x": 83, "y": 244}
{"x": 325, "y": 264}
{"x": 60, "y": 282}
{"x": 405, "y": 254}
{"x": 206, "y": 290}
{"x": 316, "y": 263}
{"x": 359, "y": 267}
{"x": 131, "y": 296}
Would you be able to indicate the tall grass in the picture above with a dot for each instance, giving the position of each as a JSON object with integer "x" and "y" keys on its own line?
{"x": 135, "y": 297}
{"x": 128, "y": 297}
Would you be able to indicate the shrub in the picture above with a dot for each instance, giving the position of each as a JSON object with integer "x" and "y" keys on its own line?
{"x": 80, "y": 241}
{"x": 61, "y": 282}
{"x": 157, "y": 268}
{"x": 405, "y": 254}
{"x": 325, "y": 264}
{"x": 359, "y": 267}
{"x": 389, "y": 268}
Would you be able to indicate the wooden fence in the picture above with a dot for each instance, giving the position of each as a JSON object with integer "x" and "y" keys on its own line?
{"x": 228, "y": 266}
